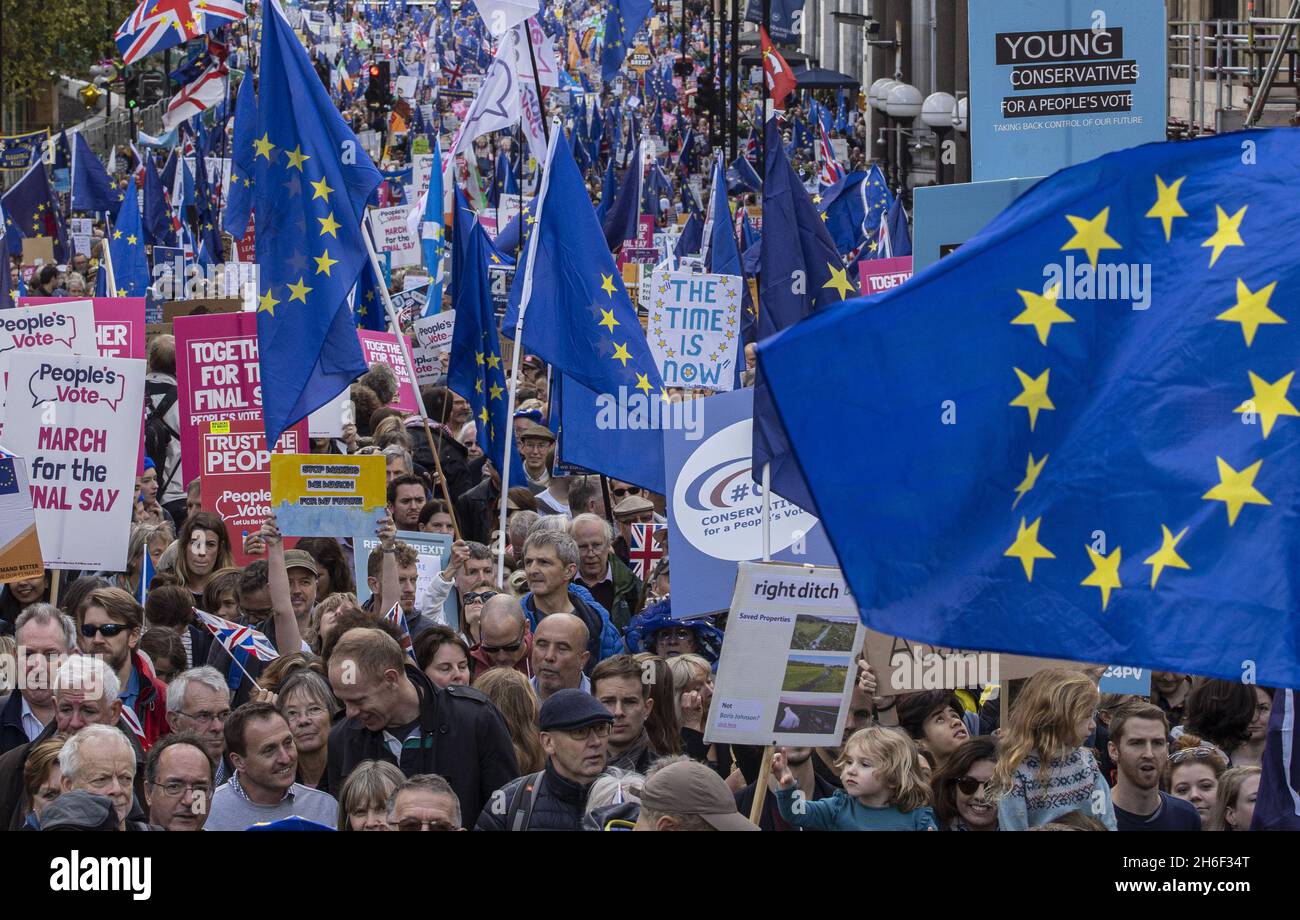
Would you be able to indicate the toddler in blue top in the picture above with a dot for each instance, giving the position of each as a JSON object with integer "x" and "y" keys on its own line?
{"x": 884, "y": 789}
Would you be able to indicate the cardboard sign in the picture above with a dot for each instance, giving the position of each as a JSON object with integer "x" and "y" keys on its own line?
{"x": 392, "y": 235}
{"x": 327, "y": 495}
{"x": 879, "y": 275}
{"x": 63, "y": 328}
{"x": 20, "y": 546}
{"x": 694, "y": 329}
{"x": 383, "y": 348}
{"x": 432, "y": 552}
{"x": 236, "y": 480}
{"x": 200, "y": 306}
{"x": 38, "y": 250}
{"x": 1120, "y": 679}
{"x": 789, "y": 663}
{"x": 432, "y": 337}
{"x": 904, "y": 666}
{"x": 82, "y": 468}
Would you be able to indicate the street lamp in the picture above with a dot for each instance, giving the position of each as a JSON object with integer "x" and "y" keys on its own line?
{"x": 902, "y": 103}
{"x": 937, "y": 113}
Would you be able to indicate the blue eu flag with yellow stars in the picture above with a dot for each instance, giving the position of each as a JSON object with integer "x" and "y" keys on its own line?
{"x": 1077, "y": 436}
{"x": 243, "y": 164}
{"x": 126, "y": 249}
{"x": 312, "y": 181}
{"x": 577, "y": 316}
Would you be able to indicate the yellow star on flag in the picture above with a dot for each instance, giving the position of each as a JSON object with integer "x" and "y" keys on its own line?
{"x": 323, "y": 263}
{"x": 1228, "y": 233}
{"x": 1269, "y": 400}
{"x": 329, "y": 225}
{"x": 117, "y": 234}
{"x": 621, "y": 354}
{"x": 321, "y": 189}
{"x": 267, "y": 303}
{"x": 299, "y": 291}
{"x": 1090, "y": 235}
{"x": 478, "y": 386}
{"x": 296, "y": 157}
{"x": 483, "y": 414}
{"x": 1041, "y": 311}
{"x": 493, "y": 361}
{"x": 494, "y": 392}
{"x": 839, "y": 281}
{"x": 1027, "y": 549}
{"x": 479, "y": 358}
{"x": 131, "y": 240}
{"x": 263, "y": 146}
{"x": 1105, "y": 573}
{"x": 1166, "y": 556}
{"x": 607, "y": 283}
{"x": 1032, "y": 469}
{"x": 1034, "y": 395}
{"x": 1236, "y": 488}
{"x": 1167, "y": 207}
{"x": 1251, "y": 310}
{"x": 643, "y": 383}
{"x": 607, "y": 319}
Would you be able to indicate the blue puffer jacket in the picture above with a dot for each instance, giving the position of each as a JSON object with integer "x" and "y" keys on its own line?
{"x": 605, "y": 639}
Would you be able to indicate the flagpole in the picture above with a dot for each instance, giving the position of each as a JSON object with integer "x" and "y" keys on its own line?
{"x": 525, "y": 296}
{"x": 537, "y": 85}
{"x": 239, "y": 665}
{"x": 110, "y": 284}
{"x": 410, "y": 370}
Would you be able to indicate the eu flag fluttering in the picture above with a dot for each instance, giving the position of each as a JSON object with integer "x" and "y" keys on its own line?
{"x": 126, "y": 248}
{"x": 1278, "y": 806}
{"x": 243, "y": 165}
{"x": 156, "y": 216}
{"x": 623, "y": 20}
{"x": 1082, "y": 426}
{"x": 368, "y": 301}
{"x": 801, "y": 273}
{"x": 92, "y": 189}
{"x": 313, "y": 180}
{"x": 620, "y": 221}
{"x": 33, "y": 210}
{"x": 576, "y": 313}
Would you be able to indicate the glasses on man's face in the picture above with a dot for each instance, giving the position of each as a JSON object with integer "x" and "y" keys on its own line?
{"x": 968, "y": 785}
{"x": 629, "y": 490}
{"x": 497, "y": 649}
{"x": 203, "y": 717}
{"x": 415, "y": 824}
{"x": 174, "y": 789}
{"x": 108, "y": 629}
{"x": 600, "y": 729}
{"x": 252, "y": 615}
{"x": 479, "y": 597}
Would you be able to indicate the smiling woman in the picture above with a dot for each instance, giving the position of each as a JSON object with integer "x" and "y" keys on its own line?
{"x": 307, "y": 704}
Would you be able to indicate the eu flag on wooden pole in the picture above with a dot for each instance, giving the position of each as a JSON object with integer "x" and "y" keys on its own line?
{"x": 313, "y": 181}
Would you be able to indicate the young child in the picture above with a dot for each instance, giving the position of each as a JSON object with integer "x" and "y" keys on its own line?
{"x": 1043, "y": 769}
{"x": 883, "y": 788}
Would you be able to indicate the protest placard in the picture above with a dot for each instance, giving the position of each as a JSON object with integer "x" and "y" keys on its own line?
{"x": 500, "y": 278}
{"x": 119, "y": 323}
{"x": 788, "y": 665}
{"x": 903, "y": 666}
{"x": 432, "y": 337}
{"x": 20, "y": 545}
{"x": 694, "y": 329}
{"x": 879, "y": 275}
{"x": 236, "y": 480}
{"x": 77, "y": 420}
{"x": 327, "y": 495}
{"x": 329, "y": 419}
{"x": 1120, "y": 679}
{"x": 392, "y": 235}
{"x": 64, "y": 327}
{"x": 432, "y": 551}
{"x": 383, "y": 348}
{"x": 409, "y": 304}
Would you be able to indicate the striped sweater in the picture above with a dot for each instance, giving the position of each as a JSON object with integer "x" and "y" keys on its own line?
{"x": 1073, "y": 783}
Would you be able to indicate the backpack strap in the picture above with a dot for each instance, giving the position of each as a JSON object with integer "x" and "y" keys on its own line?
{"x": 520, "y": 813}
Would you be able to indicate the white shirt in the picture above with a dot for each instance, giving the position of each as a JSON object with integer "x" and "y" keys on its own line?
{"x": 32, "y": 726}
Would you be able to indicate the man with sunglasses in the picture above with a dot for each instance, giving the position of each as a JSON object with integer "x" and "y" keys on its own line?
{"x": 109, "y": 622}
{"x": 506, "y": 640}
{"x": 575, "y": 730}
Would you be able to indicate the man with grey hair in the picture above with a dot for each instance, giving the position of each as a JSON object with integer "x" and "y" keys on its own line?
{"x": 471, "y": 565}
{"x": 609, "y": 580}
{"x": 397, "y": 461}
{"x": 424, "y": 803}
{"x": 550, "y": 563}
{"x": 99, "y": 760}
{"x": 520, "y": 525}
{"x": 45, "y": 636}
{"x": 585, "y": 496}
{"x": 198, "y": 700}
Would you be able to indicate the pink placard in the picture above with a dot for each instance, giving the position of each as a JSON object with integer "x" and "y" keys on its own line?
{"x": 119, "y": 323}
{"x": 382, "y": 347}
{"x": 879, "y": 275}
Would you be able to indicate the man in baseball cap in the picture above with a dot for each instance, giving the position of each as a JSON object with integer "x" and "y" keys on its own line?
{"x": 681, "y": 794}
{"x": 303, "y": 571}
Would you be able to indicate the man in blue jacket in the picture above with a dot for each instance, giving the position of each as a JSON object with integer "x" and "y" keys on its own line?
{"x": 551, "y": 563}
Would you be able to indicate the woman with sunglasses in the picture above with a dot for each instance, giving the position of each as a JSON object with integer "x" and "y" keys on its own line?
{"x": 1193, "y": 772}
{"x": 961, "y": 788}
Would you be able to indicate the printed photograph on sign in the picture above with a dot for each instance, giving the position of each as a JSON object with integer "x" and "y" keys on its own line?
{"x": 815, "y": 673}
{"x": 806, "y": 715}
{"x": 814, "y": 633}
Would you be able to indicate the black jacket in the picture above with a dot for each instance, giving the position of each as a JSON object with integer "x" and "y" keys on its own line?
{"x": 464, "y": 740}
{"x": 11, "y": 722}
{"x": 473, "y": 508}
{"x": 453, "y": 455}
{"x": 558, "y": 804}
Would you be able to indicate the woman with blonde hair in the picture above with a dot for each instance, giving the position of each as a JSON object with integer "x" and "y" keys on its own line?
{"x": 513, "y": 695}
{"x": 1043, "y": 768}
{"x": 1234, "y": 804}
{"x": 324, "y": 615}
{"x": 363, "y": 801}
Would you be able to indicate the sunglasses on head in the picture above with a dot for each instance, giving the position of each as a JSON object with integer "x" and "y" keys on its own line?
{"x": 968, "y": 785}
{"x": 479, "y": 597}
{"x": 108, "y": 629}
{"x": 630, "y": 490}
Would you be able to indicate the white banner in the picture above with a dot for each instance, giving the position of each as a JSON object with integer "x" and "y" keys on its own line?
{"x": 432, "y": 338}
{"x": 392, "y": 235}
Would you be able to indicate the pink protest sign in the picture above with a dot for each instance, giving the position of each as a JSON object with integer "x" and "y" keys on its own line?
{"x": 382, "y": 348}
{"x": 879, "y": 275}
{"x": 119, "y": 323}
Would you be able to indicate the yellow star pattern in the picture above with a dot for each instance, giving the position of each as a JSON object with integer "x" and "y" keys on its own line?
{"x": 1090, "y": 235}
{"x": 1228, "y": 233}
{"x": 621, "y": 353}
{"x": 1041, "y": 312}
{"x": 1105, "y": 573}
{"x": 643, "y": 383}
{"x": 1167, "y": 556}
{"x": 607, "y": 319}
{"x": 1236, "y": 488}
{"x": 1027, "y": 549}
{"x": 494, "y": 392}
{"x": 479, "y": 357}
{"x": 131, "y": 240}
{"x": 1251, "y": 310}
{"x": 298, "y": 291}
{"x": 1167, "y": 207}
{"x": 1032, "y": 469}
{"x": 839, "y": 281}
{"x": 1269, "y": 400}
{"x": 1034, "y": 395}
{"x": 329, "y": 225}
{"x": 263, "y": 146}
{"x": 320, "y": 189}
{"x": 296, "y": 158}
{"x": 494, "y": 361}
{"x": 267, "y": 303}
{"x": 323, "y": 263}
{"x": 607, "y": 284}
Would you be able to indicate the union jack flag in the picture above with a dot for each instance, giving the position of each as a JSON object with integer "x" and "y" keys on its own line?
{"x": 234, "y": 636}
{"x": 645, "y": 550}
{"x": 395, "y": 616}
{"x": 831, "y": 170}
{"x": 160, "y": 24}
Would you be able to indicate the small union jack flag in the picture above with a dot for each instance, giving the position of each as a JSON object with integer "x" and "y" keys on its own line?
{"x": 645, "y": 550}
{"x": 160, "y": 24}
{"x": 234, "y": 636}
{"x": 395, "y": 616}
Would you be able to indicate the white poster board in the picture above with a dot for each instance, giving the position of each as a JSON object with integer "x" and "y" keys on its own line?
{"x": 394, "y": 236}
{"x": 432, "y": 338}
{"x": 694, "y": 329}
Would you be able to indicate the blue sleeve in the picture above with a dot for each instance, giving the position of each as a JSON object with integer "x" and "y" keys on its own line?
{"x": 1101, "y": 807}
{"x": 816, "y": 815}
{"x": 1013, "y": 813}
{"x": 925, "y": 819}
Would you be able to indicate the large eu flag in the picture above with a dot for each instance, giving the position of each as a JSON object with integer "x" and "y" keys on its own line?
{"x": 1077, "y": 435}
{"x": 311, "y": 186}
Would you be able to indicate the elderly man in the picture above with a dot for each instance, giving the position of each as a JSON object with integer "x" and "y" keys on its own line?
{"x": 45, "y": 637}
{"x": 505, "y": 641}
{"x": 178, "y": 782}
{"x": 634, "y": 509}
{"x": 424, "y": 803}
{"x": 681, "y": 794}
{"x": 535, "y": 445}
{"x": 262, "y": 789}
{"x": 559, "y": 656}
{"x": 99, "y": 760}
{"x": 198, "y": 701}
{"x": 397, "y": 462}
{"x": 551, "y": 562}
{"x": 575, "y": 735}
{"x": 393, "y": 712}
{"x": 609, "y": 580}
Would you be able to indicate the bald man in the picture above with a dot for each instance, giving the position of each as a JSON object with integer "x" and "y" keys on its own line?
{"x": 559, "y": 655}
{"x": 504, "y": 639}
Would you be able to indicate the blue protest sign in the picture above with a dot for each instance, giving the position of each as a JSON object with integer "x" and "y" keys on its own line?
{"x": 1118, "y": 679}
{"x": 945, "y": 216}
{"x": 432, "y": 551}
